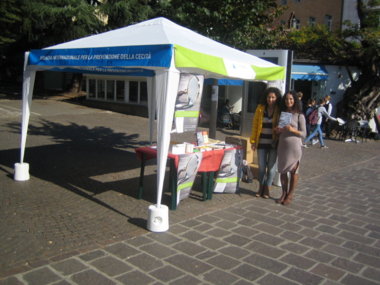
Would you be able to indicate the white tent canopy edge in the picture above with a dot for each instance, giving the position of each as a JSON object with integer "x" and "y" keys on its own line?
{"x": 158, "y": 45}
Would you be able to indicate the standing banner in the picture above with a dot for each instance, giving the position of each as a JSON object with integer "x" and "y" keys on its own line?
{"x": 188, "y": 102}
{"x": 227, "y": 180}
{"x": 187, "y": 171}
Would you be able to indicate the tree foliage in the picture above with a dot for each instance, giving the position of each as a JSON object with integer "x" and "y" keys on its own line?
{"x": 49, "y": 22}
{"x": 11, "y": 19}
{"x": 120, "y": 13}
{"x": 244, "y": 24}
{"x": 238, "y": 23}
{"x": 357, "y": 45}
{"x": 44, "y": 23}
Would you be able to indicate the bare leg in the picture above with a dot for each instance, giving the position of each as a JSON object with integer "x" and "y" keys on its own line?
{"x": 292, "y": 187}
{"x": 284, "y": 186}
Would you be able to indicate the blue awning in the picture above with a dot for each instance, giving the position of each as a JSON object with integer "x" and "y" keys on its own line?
{"x": 309, "y": 72}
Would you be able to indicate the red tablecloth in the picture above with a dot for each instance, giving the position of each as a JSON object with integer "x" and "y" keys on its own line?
{"x": 211, "y": 160}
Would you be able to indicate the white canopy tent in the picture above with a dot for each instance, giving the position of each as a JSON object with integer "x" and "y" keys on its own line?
{"x": 158, "y": 49}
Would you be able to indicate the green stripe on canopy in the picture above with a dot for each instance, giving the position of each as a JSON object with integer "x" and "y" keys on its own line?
{"x": 269, "y": 73}
{"x": 185, "y": 57}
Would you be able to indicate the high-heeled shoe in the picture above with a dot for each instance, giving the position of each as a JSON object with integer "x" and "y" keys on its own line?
{"x": 281, "y": 199}
{"x": 287, "y": 200}
{"x": 292, "y": 187}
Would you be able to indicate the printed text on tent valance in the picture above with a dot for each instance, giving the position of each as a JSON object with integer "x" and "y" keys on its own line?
{"x": 154, "y": 55}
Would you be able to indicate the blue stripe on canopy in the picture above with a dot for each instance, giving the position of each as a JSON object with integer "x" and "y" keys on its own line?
{"x": 234, "y": 82}
{"x": 153, "y": 56}
{"x": 309, "y": 72}
{"x": 107, "y": 71}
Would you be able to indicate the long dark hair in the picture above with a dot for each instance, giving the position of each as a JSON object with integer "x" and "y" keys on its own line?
{"x": 296, "y": 107}
{"x": 263, "y": 98}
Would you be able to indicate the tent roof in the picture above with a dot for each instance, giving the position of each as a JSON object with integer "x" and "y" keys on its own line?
{"x": 160, "y": 31}
{"x": 192, "y": 51}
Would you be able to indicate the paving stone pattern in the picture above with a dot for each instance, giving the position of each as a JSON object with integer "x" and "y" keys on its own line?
{"x": 330, "y": 234}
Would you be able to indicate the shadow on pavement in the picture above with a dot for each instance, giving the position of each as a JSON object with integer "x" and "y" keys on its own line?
{"x": 87, "y": 162}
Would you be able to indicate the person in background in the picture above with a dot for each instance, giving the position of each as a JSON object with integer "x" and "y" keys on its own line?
{"x": 227, "y": 107}
{"x": 317, "y": 130}
{"x": 263, "y": 138}
{"x": 325, "y": 126}
{"x": 300, "y": 95}
{"x": 310, "y": 107}
{"x": 289, "y": 148}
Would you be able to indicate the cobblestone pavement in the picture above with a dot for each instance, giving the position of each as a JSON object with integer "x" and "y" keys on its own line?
{"x": 78, "y": 221}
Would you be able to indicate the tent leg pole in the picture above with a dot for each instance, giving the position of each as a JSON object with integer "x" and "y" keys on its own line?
{"x": 141, "y": 180}
{"x": 214, "y": 111}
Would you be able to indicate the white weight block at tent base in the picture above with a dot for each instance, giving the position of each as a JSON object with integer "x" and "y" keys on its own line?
{"x": 21, "y": 171}
{"x": 158, "y": 218}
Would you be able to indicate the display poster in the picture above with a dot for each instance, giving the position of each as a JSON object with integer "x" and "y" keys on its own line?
{"x": 187, "y": 170}
{"x": 188, "y": 103}
{"x": 227, "y": 180}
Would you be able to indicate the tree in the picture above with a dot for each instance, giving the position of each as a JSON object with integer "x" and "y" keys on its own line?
{"x": 44, "y": 23}
{"x": 11, "y": 18}
{"x": 10, "y": 22}
{"x": 357, "y": 45}
{"x": 120, "y": 13}
{"x": 55, "y": 21}
{"x": 363, "y": 97}
{"x": 238, "y": 23}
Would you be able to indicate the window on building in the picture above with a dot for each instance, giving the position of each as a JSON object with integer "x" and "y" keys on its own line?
{"x": 328, "y": 22}
{"x": 110, "y": 90}
{"x": 143, "y": 92}
{"x": 312, "y": 21}
{"x": 100, "y": 91}
{"x": 133, "y": 91}
{"x": 284, "y": 2}
{"x": 254, "y": 91}
{"x": 296, "y": 24}
{"x": 91, "y": 90}
{"x": 120, "y": 90}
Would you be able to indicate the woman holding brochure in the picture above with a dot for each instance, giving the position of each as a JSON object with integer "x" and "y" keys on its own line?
{"x": 263, "y": 138}
{"x": 291, "y": 130}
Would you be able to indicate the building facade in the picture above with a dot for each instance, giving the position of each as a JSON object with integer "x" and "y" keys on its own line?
{"x": 301, "y": 13}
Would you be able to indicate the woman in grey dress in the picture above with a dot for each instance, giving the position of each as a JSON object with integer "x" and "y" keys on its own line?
{"x": 291, "y": 134}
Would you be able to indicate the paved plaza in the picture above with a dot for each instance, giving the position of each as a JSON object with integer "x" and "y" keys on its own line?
{"x": 78, "y": 219}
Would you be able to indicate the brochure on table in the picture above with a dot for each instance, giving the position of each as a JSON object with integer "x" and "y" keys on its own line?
{"x": 285, "y": 119}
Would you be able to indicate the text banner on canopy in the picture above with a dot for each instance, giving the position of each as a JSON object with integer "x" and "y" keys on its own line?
{"x": 153, "y": 56}
{"x": 106, "y": 71}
